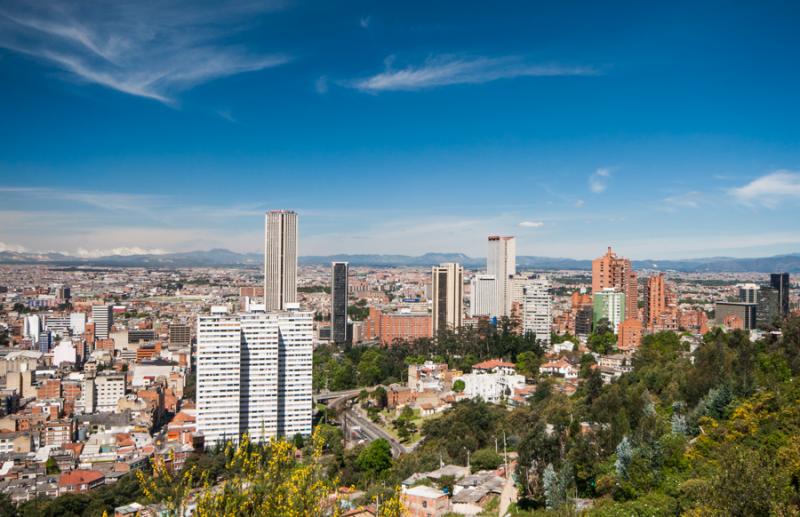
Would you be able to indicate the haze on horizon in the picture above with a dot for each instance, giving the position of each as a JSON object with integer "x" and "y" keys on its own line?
{"x": 665, "y": 131}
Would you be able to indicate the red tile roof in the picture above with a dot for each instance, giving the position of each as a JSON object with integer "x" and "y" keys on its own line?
{"x": 79, "y": 477}
{"x": 493, "y": 363}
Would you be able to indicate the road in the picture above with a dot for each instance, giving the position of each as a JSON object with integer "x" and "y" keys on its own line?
{"x": 508, "y": 496}
{"x": 374, "y": 432}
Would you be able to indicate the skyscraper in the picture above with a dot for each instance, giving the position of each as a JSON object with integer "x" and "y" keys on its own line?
{"x": 103, "y": 318}
{"x": 339, "y": 274}
{"x": 448, "y": 294}
{"x": 280, "y": 259}
{"x": 536, "y": 309}
{"x": 780, "y": 282}
{"x": 483, "y": 295}
{"x": 254, "y": 374}
{"x": 612, "y": 272}
{"x": 501, "y": 262}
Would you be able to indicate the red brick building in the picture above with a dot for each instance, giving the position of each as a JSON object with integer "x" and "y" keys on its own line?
{"x": 388, "y": 327}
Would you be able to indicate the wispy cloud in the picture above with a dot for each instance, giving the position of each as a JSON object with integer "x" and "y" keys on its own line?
{"x": 151, "y": 50}
{"x": 12, "y": 247}
{"x": 446, "y": 70}
{"x": 321, "y": 84}
{"x": 123, "y": 251}
{"x": 364, "y": 22}
{"x": 691, "y": 199}
{"x": 531, "y": 224}
{"x": 770, "y": 190}
{"x": 598, "y": 181}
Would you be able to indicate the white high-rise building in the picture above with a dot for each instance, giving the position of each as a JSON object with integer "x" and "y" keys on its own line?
{"x": 103, "y": 318}
{"x": 219, "y": 351}
{"x": 32, "y": 328}
{"x": 501, "y": 262}
{"x": 280, "y": 259}
{"x": 295, "y": 351}
{"x": 536, "y": 309}
{"x": 254, "y": 374}
{"x": 77, "y": 323}
{"x": 483, "y": 295}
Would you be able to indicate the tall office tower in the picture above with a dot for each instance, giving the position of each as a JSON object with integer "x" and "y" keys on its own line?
{"x": 448, "y": 294}
{"x": 64, "y": 293}
{"x": 103, "y": 318}
{"x": 609, "y": 304}
{"x": 254, "y": 374}
{"x": 748, "y": 293}
{"x": 660, "y": 305}
{"x": 536, "y": 309}
{"x": 483, "y": 295}
{"x": 280, "y": 259}
{"x": 768, "y": 307}
{"x": 45, "y": 341}
{"x": 501, "y": 262}
{"x": 295, "y": 350}
{"x": 339, "y": 273}
{"x": 780, "y": 282}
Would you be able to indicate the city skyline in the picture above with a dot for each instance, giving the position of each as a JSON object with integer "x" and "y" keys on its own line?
{"x": 676, "y": 138}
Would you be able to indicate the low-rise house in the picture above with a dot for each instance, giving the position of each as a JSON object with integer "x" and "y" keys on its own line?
{"x": 80, "y": 481}
{"x": 424, "y": 501}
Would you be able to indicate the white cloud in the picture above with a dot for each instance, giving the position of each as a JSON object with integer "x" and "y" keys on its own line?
{"x": 770, "y": 190}
{"x": 151, "y": 50}
{"x": 321, "y": 84}
{"x": 364, "y": 22}
{"x": 691, "y": 199}
{"x": 531, "y": 224}
{"x": 16, "y": 248}
{"x": 579, "y": 203}
{"x": 598, "y": 181}
{"x": 124, "y": 251}
{"x": 446, "y": 70}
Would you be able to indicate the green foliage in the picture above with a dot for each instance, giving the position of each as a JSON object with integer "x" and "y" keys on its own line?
{"x": 376, "y": 457}
{"x": 485, "y": 459}
{"x": 459, "y": 385}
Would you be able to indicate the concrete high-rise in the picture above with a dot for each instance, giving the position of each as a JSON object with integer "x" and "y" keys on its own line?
{"x": 448, "y": 294}
{"x": 501, "y": 262}
{"x": 536, "y": 309}
{"x": 254, "y": 374}
{"x": 483, "y": 295}
{"x": 339, "y": 275}
{"x": 780, "y": 282}
{"x": 612, "y": 272}
{"x": 103, "y": 318}
{"x": 280, "y": 259}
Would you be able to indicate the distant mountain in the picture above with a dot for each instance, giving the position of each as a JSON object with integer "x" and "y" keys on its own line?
{"x": 226, "y": 258}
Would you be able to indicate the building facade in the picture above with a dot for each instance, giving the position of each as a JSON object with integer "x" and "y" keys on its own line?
{"x": 280, "y": 259}
{"x": 103, "y": 318}
{"x": 501, "y": 262}
{"x": 339, "y": 294}
{"x": 613, "y": 272}
{"x": 448, "y": 294}
{"x": 609, "y": 304}
{"x": 537, "y": 309}
{"x": 483, "y": 295}
{"x": 254, "y": 374}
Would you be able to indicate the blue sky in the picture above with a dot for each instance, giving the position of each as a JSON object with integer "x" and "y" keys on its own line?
{"x": 666, "y": 131}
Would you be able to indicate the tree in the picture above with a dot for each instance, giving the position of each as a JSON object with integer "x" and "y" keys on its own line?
{"x": 459, "y": 385}
{"x": 376, "y": 457}
{"x": 297, "y": 441}
{"x": 624, "y": 458}
{"x": 51, "y": 467}
{"x": 528, "y": 363}
{"x": 604, "y": 343}
{"x": 485, "y": 459}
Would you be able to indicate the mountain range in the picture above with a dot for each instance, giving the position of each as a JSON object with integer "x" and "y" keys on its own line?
{"x": 225, "y": 258}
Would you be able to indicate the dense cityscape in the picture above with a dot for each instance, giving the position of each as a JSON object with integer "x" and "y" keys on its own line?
{"x": 110, "y": 372}
{"x": 302, "y": 258}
